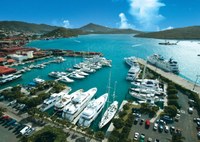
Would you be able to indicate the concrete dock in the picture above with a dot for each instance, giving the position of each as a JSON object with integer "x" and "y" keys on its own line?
{"x": 173, "y": 77}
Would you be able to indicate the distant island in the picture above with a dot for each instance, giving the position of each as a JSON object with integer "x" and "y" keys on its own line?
{"x": 55, "y": 32}
{"x": 192, "y": 32}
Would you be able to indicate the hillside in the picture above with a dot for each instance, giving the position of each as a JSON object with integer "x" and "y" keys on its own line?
{"x": 192, "y": 32}
{"x": 98, "y": 29}
{"x": 63, "y": 32}
{"x": 25, "y": 27}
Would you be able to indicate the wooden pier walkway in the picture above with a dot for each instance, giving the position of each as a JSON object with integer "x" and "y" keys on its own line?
{"x": 173, "y": 77}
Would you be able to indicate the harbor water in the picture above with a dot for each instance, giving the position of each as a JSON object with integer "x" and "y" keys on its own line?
{"x": 114, "y": 47}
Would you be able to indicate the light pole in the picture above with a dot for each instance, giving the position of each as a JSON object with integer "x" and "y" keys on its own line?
{"x": 196, "y": 81}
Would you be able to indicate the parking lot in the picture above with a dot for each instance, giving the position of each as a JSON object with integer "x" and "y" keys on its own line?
{"x": 185, "y": 124}
{"x": 6, "y": 135}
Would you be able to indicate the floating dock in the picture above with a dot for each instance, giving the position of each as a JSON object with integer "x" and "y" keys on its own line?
{"x": 173, "y": 77}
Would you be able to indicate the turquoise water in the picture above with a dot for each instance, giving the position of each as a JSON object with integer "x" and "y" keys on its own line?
{"x": 114, "y": 47}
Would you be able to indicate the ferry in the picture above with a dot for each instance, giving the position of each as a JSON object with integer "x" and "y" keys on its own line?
{"x": 7, "y": 78}
{"x": 109, "y": 114}
{"x": 77, "y": 104}
{"x": 92, "y": 110}
{"x": 166, "y": 65}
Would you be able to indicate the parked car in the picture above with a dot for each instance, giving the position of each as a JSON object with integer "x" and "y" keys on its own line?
{"x": 167, "y": 119}
{"x": 147, "y": 123}
{"x": 198, "y": 135}
{"x": 160, "y": 128}
{"x": 29, "y": 131}
{"x": 10, "y": 123}
{"x": 25, "y": 129}
{"x": 12, "y": 103}
{"x": 177, "y": 117}
{"x": 136, "y": 136}
{"x": 141, "y": 121}
{"x": 149, "y": 140}
{"x": 136, "y": 120}
{"x": 142, "y": 137}
{"x": 196, "y": 119}
{"x": 172, "y": 129}
{"x": 155, "y": 127}
{"x": 157, "y": 140}
{"x": 190, "y": 110}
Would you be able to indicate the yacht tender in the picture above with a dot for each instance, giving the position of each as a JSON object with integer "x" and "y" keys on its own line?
{"x": 92, "y": 110}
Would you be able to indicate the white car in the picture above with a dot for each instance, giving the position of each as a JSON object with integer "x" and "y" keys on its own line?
{"x": 190, "y": 110}
{"x": 166, "y": 128}
{"x": 136, "y": 136}
{"x": 155, "y": 127}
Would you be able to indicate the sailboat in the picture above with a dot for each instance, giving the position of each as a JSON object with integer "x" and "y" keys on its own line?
{"x": 110, "y": 112}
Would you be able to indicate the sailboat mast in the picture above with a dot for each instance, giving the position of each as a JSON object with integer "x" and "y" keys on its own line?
{"x": 114, "y": 90}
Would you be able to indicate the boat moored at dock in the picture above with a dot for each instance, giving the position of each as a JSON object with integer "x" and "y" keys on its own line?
{"x": 92, "y": 110}
{"x": 77, "y": 104}
{"x": 109, "y": 114}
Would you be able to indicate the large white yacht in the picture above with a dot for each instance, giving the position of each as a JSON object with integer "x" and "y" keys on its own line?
{"x": 66, "y": 79}
{"x": 166, "y": 65}
{"x": 109, "y": 114}
{"x": 133, "y": 73}
{"x": 131, "y": 61}
{"x": 65, "y": 100}
{"x": 77, "y": 104}
{"x": 92, "y": 110}
{"x": 8, "y": 78}
{"x": 50, "y": 102}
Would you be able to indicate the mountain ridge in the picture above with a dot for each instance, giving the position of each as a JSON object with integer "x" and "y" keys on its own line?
{"x": 190, "y": 32}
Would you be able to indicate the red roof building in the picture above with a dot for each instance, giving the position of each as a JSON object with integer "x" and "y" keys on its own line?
{"x": 2, "y": 60}
{"x": 6, "y": 70}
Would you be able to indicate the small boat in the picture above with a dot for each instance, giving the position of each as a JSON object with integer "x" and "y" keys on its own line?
{"x": 38, "y": 80}
{"x": 66, "y": 79}
{"x": 109, "y": 114}
{"x": 76, "y": 76}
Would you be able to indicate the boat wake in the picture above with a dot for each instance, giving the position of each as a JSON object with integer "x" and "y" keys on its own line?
{"x": 135, "y": 45}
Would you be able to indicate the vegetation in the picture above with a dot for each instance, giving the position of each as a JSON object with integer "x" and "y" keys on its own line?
{"x": 118, "y": 123}
{"x": 177, "y": 138}
{"x": 63, "y": 32}
{"x": 179, "y": 33}
{"x": 48, "y": 134}
{"x": 170, "y": 110}
{"x": 99, "y": 135}
{"x": 149, "y": 109}
{"x": 2, "y": 110}
{"x": 25, "y": 27}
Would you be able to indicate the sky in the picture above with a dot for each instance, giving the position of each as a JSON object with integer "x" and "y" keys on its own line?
{"x": 145, "y": 15}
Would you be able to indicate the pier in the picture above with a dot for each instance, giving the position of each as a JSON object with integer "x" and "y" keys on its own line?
{"x": 173, "y": 77}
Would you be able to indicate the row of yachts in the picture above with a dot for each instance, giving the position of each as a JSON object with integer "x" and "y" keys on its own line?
{"x": 81, "y": 70}
{"x": 79, "y": 107}
{"x": 145, "y": 90}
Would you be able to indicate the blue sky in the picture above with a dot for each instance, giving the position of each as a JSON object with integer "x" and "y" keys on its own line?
{"x": 147, "y": 15}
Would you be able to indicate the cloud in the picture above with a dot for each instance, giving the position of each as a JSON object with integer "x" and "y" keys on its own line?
{"x": 168, "y": 28}
{"x": 124, "y": 22}
{"x": 66, "y": 24}
{"x": 146, "y": 12}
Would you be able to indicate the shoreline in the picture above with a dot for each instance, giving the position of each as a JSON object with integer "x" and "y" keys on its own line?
{"x": 173, "y": 77}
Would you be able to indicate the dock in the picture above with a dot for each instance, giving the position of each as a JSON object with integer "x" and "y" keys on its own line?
{"x": 173, "y": 77}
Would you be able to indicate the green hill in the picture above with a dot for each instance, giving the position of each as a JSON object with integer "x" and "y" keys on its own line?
{"x": 25, "y": 27}
{"x": 98, "y": 29}
{"x": 63, "y": 32}
{"x": 192, "y": 32}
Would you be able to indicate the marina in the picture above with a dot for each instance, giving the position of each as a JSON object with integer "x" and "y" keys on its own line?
{"x": 99, "y": 79}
